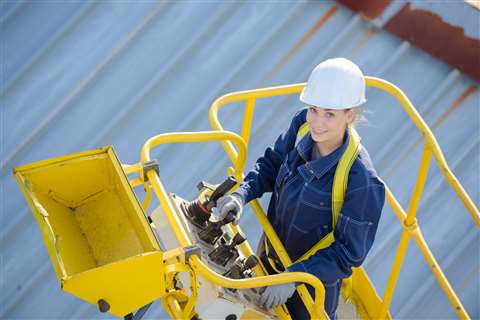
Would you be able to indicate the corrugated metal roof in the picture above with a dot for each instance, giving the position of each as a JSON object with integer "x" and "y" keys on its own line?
{"x": 77, "y": 75}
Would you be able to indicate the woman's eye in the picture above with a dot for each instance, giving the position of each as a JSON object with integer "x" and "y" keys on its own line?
{"x": 312, "y": 109}
{"x": 329, "y": 115}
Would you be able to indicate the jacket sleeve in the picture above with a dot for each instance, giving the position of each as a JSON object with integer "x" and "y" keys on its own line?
{"x": 262, "y": 177}
{"x": 354, "y": 235}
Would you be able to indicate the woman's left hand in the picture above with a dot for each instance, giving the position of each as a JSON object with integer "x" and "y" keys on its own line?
{"x": 276, "y": 295}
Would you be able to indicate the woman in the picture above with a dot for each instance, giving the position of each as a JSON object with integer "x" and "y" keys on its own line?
{"x": 322, "y": 237}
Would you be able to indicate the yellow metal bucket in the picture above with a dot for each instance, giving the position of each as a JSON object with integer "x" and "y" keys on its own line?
{"x": 96, "y": 233}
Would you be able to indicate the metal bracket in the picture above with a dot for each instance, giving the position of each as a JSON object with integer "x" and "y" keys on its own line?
{"x": 149, "y": 165}
{"x": 410, "y": 227}
{"x": 192, "y": 250}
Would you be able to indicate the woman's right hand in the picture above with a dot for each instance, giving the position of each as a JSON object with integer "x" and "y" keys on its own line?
{"x": 230, "y": 203}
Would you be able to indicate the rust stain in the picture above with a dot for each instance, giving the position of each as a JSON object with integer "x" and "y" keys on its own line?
{"x": 363, "y": 41}
{"x": 368, "y": 8}
{"x": 299, "y": 44}
{"x": 427, "y": 31}
{"x": 455, "y": 105}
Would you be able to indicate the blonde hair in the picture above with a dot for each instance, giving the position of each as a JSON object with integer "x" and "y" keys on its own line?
{"x": 359, "y": 116}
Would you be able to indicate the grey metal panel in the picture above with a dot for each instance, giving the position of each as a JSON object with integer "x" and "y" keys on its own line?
{"x": 79, "y": 75}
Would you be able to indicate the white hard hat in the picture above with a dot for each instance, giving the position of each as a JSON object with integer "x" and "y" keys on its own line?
{"x": 335, "y": 84}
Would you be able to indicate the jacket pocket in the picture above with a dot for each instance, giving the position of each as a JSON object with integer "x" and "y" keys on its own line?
{"x": 356, "y": 237}
{"x": 313, "y": 213}
{"x": 317, "y": 199}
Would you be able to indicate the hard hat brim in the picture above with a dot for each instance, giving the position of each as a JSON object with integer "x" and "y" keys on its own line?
{"x": 306, "y": 100}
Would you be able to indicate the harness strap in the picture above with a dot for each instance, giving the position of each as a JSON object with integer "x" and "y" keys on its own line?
{"x": 340, "y": 182}
{"x": 302, "y": 131}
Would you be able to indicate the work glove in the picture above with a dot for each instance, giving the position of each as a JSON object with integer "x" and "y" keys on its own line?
{"x": 231, "y": 202}
{"x": 276, "y": 295}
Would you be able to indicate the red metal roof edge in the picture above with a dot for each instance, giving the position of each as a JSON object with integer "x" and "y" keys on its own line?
{"x": 427, "y": 31}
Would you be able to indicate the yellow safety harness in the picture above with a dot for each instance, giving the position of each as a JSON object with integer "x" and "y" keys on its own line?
{"x": 340, "y": 182}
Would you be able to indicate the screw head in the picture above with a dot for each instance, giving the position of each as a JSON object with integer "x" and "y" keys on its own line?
{"x": 103, "y": 305}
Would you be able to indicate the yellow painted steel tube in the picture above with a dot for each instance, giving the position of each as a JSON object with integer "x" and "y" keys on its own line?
{"x": 271, "y": 234}
{"x": 282, "y": 252}
{"x": 215, "y": 123}
{"x": 409, "y": 222}
{"x": 431, "y": 142}
{"x": 186, "y": 137}
{"x": 258, "y": 94}
{"x": 281, "y": 278}
{"x": 181, "y": 234}
{"x": 417, "y": 193}
{"x": 131, "y": 168}
{"x": 247, "y": 95}
{"x": 202, "y": 136}
{"x": 167, "y": 206}
{"x": 439, "y": 275}
{"x": 174, "y": 307}
{"x": 247, "y": 120}
{"x": 250, "y": 96}
{"x": 392, "y": 279}
{"x": 212, "y": 276}
{"x": 428, "y": 256}
{"x": 148, "y": 197}
{"x": 247, "y": 252}
{"x": 372, "y": 82}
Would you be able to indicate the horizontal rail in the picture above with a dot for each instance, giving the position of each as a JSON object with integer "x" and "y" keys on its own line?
{"x": 182, "y": 235}
{"x": 408, "y": 220}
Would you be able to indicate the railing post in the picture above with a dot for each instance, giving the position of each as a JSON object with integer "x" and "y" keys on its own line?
{"x": 247, "y": 119}
{"x": 409, "y": 224}
{"x": 417, "y": 193}
{"x": 407, "y": 219}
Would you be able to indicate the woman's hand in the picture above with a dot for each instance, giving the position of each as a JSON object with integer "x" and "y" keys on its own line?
{"x": 276, "y": 295}
{"x": 230, "y": 203}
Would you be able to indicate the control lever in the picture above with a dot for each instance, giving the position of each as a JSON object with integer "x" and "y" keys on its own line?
{"x": 251, "y": 262}
{"x": 213, "y": 231}
{"x": 199, "y": 212}
{"x": 238, "y": 269}
{"x": 220, "y": 191}
{"x": 225, "y": 252}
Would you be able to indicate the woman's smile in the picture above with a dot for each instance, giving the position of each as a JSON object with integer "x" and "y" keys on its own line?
{"x": 319, "y": 131}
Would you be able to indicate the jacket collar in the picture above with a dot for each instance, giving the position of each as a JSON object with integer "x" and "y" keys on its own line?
{"x": 320, "y": 166}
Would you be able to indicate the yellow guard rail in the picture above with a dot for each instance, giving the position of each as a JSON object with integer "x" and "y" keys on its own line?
{"x": 100, "y": 183}
{"x": 368, "y": 303}
{"x": 315, "y": 307}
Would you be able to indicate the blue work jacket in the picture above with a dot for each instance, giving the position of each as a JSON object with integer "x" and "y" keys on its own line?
{"x": 300, "y": 209}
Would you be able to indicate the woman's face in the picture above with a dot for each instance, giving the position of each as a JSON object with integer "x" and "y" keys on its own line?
{"x": 328, "y": 125}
